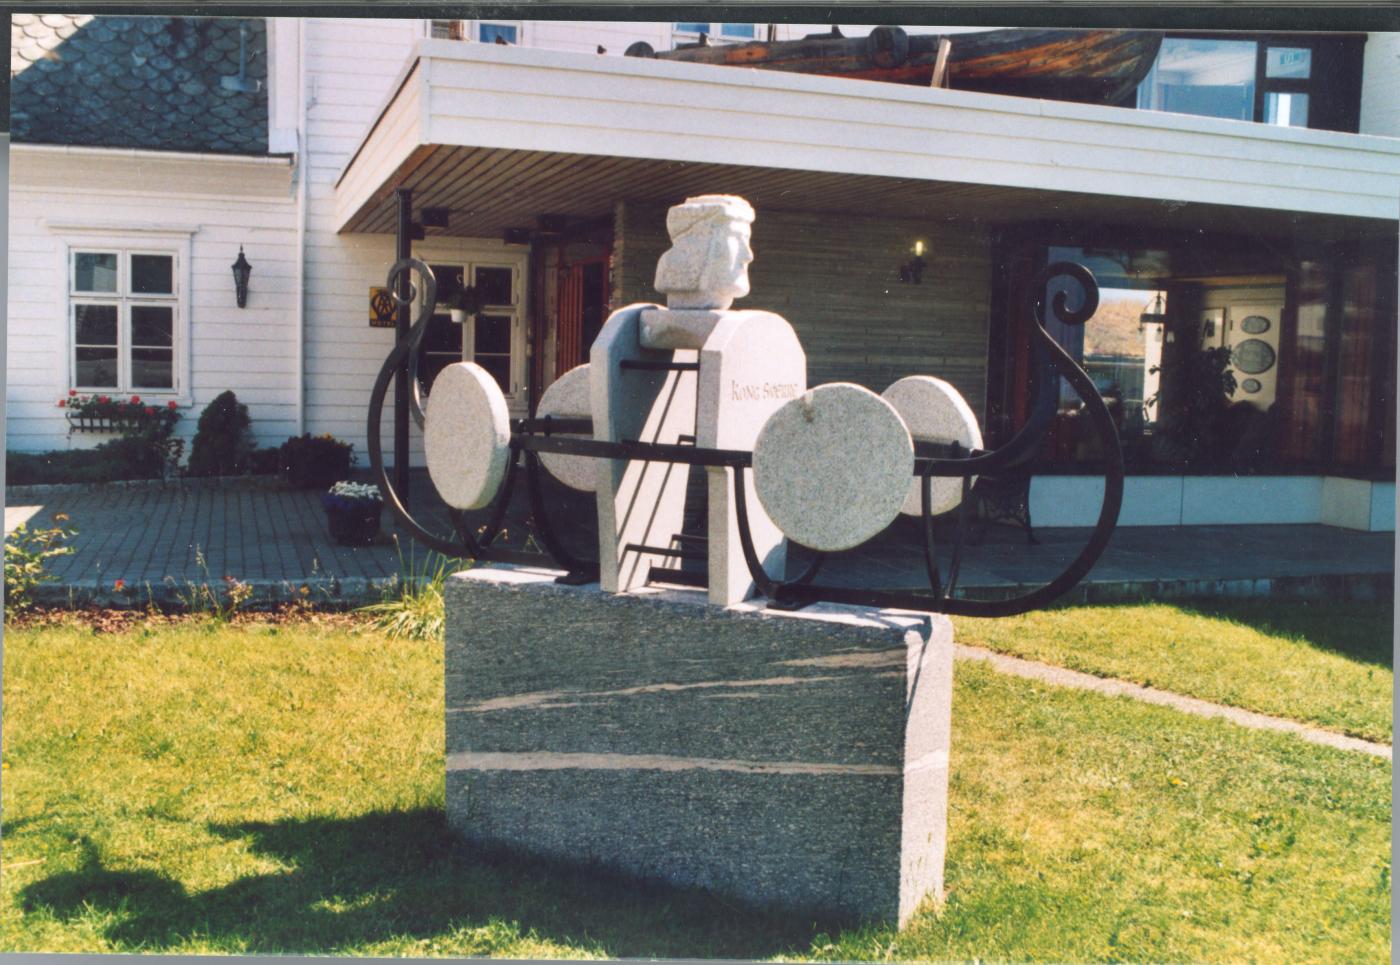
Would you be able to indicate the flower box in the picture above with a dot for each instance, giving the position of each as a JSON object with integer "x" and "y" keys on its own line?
{"x": 352, "y": 513}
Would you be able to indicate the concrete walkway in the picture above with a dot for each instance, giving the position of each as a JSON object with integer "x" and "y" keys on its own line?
{"x": 159, "y": 540}
{"x": 1062, "y": 677}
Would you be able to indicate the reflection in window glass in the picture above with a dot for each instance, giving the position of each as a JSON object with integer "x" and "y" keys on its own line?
{"x": 1286, "y": 110}
{"x": 152, "y": 274}
{"x": 493, "y": 334}
{"x": 744, "y": 30}
{"x": 1211, "y": 78}
{"x": 152, "y": 325}
{"x": 495, "y": 286}
{"x": 152, "y": 368}
{"x": 692, "y": 27}
{"x": 95, "y": 271}
{"x": 95, "y": 324}
{"x": 1288, "y": 62}
{"x": 489, "y": 33}
{"x": 97, "y": 367}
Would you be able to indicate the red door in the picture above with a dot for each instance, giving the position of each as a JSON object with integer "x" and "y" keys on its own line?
{"x": 583, "y": 304}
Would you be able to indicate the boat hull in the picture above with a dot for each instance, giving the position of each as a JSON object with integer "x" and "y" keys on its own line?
{"x": 1090, "y": 66}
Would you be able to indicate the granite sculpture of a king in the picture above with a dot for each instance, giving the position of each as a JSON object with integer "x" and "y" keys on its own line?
{"x": 695, "y": 372}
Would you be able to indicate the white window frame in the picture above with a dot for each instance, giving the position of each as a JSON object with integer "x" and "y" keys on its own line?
{"x": 679, "y": 36}
{"x": 518, "y": 311}
{"x": 469, "y": 29}
{"x": 125, "y": 240}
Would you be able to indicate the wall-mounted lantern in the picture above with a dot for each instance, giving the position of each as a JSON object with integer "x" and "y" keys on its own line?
{"x": 241, "y": 271}
{"x": 912, "y": 271}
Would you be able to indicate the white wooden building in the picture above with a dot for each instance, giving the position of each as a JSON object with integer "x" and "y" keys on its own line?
{"x": 845, "y": 175}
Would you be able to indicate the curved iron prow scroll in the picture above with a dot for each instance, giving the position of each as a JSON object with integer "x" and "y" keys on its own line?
{"x": 530, "y": 437}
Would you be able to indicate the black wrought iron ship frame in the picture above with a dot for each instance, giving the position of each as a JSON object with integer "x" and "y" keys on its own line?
{"x": 532, "y": 436}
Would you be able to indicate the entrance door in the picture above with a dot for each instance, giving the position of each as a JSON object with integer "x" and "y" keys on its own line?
{"x": 583, "y": 306}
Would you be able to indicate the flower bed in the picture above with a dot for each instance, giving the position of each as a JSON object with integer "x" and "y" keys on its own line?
{"x": 102, "y": 413}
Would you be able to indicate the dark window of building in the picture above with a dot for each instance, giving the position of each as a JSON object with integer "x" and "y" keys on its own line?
{"x": 1285, "y": 80}
{"x": 1215, "y": 355}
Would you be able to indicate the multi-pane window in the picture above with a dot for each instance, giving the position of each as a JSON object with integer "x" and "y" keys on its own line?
{"x": 123, "y": 309}
{"x": 689, "y": 31}
{"x": 492, "y": 340}
{"x": 486, "y": 31}
{"x": 490, "y": 33}
{"x": 1284, "y": 80}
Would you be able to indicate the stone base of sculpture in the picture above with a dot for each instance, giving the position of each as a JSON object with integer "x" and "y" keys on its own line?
{"x": 796, "y": 761}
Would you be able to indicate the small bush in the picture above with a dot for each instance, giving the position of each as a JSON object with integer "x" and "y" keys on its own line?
{"x": 223, "y": 440}
{"x": 315, "y": 462}
{"x": 26, "y": 551}
{"x": 143, "y": 454}
{"x": 265, "y": 461}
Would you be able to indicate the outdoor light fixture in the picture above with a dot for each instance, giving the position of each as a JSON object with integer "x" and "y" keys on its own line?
{"x": 241, "y": 271}
{"x": 1156, "y": 315}
{"x": 912, "y": 271}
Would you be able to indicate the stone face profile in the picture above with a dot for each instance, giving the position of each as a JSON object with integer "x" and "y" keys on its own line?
{"x": 707, "y": 264}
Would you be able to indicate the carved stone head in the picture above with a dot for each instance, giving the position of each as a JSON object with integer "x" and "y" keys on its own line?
{"x": 707, "y": 263}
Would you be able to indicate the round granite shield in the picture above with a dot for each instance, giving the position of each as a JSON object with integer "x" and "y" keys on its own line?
{"x": 934, "y": 411}
{"x": 832, "y": 467}
{"x": 466, "y": 435}
{"x": 568, "y": 398}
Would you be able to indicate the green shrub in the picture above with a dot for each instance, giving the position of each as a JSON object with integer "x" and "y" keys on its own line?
{"x": 146, "y": 453}
{"x": 413, "y": 610}
{"x": 223, "y": 440}
{"x": 265, "y": 461}
{"x": 316, "y": 462}
{"x": 26, "y": 551}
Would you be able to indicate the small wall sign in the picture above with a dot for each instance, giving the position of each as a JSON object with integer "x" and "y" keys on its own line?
{"x": 382, "y": 308}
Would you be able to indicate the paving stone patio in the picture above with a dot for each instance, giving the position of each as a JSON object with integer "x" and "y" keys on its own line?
{"x": 160, "y": 540}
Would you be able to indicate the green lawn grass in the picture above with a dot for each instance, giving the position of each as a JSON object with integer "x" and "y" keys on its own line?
{"x": 1328, "y": 665}
{"x": 201, "y": 788}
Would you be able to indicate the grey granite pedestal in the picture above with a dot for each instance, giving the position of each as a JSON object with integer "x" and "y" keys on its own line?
{"x": 790, "y": 760}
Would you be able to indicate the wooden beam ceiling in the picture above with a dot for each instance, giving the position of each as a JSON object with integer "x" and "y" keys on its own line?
{"x": 488, "y": 190}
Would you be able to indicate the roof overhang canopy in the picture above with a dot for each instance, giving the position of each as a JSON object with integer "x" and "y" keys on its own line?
{"x": 500, "y": 135}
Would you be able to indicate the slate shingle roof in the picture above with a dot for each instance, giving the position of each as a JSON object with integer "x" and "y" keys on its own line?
{"x": 142, "y": 82}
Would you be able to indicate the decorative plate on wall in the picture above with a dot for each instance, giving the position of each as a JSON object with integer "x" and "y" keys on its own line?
{"x": 1255, "y": 325}
{"x": 1253, "y": 356}
{"x": 1251, "y": 385}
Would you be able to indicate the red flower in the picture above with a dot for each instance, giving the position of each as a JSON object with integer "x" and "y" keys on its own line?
{"x": 135, "y": 400}
{"x": 72, "y": 391}
{"x": 104, "y": 399}
{"x": 62, "y": 403}
{"x": 150, "y": 410}
{"x": 119, "y": 585}
{"x": 171, "y": 405}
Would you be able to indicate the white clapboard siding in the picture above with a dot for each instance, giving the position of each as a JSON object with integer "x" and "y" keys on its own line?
{"x": 1380, "y": 85}
{"x": 343, "y": 354}
{"x": 251, "y": 350}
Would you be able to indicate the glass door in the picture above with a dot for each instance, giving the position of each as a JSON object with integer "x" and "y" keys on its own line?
{"x": 494, "y": 339}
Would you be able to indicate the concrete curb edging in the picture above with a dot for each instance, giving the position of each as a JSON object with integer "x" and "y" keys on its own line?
{"x": 1113, "y": 687}
{"x": 322, "y": 593}
{"x": 259, "y": 483}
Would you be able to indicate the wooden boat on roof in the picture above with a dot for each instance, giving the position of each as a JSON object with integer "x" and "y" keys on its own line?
{"x": 1089, "y": 66}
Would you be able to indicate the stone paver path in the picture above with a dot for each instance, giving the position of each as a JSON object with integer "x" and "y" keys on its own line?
{"x": 275, "y": 539}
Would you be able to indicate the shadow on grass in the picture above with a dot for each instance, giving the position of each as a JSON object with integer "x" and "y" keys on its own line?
{"x": 1361, "y": 631}
{"x": 404, "y": 876}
